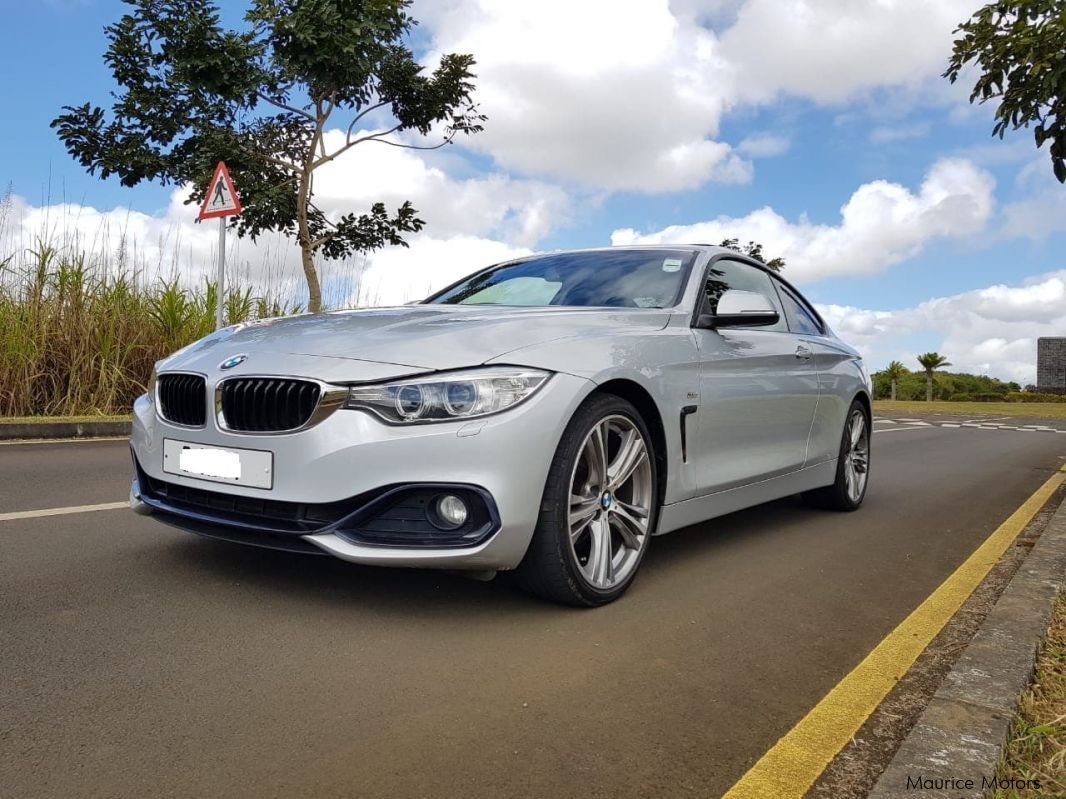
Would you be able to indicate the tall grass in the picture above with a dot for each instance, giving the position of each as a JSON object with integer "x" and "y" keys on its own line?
{"x": 90, "y": 300}
{"x": 77, "y": 338}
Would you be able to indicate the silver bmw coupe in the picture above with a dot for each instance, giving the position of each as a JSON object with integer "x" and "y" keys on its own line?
{"x": 547, "y": 415}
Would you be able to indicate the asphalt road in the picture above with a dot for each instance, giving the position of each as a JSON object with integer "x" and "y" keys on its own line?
{"x": 139, "y": 661}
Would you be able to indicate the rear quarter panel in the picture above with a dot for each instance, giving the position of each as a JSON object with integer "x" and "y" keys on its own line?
{"x": 842, "y": 378}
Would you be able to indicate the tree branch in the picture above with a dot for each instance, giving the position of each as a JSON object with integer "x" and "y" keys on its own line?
{"x": 351, "y": 144}
{"x": 419, "y": 146}
{"x": 360, "y": 115}
{"x": 286, "y": 107}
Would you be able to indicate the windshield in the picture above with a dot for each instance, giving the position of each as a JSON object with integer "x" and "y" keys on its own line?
{"x": 613, "y": 278}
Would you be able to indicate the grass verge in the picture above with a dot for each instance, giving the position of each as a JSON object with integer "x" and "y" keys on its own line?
{"x": 49, "y": 419}
{"x": 1036, "y": 410}
{"x": 1036, "y": 751}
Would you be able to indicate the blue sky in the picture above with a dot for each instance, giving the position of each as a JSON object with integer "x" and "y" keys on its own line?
{"x": 804, "y": 122}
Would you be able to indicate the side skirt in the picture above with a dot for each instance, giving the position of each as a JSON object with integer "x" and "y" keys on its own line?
{"x": 699, "y": 509}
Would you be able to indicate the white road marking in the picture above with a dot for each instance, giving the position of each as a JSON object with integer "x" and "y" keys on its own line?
{"x": 898, "y": 429}
{"x": 973, "y": 424}
{"x": 37, "y": 514}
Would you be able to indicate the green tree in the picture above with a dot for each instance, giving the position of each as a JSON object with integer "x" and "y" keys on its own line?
{"x": 191, "y": 93}
{"x": 894, "y": 371}
{"x": 931, "y": 361}
{"x": 1018, "y": 47}
{"x": 753, "y": 250}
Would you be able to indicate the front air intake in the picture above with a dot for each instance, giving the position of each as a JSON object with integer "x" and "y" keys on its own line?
{"x": 182, "y": 399}
{"x": 266, "y": 404}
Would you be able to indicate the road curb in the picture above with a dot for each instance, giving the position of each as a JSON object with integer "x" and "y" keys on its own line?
{"x": 955, "y": 747}
{"x": 28, "y": 431}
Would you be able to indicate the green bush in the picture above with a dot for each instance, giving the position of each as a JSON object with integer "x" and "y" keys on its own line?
{"x": 962, "y": 397}
{"x": 1034, "y": 396}
{"x": 946, "y": 386}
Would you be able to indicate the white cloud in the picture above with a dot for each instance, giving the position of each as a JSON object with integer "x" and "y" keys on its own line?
{"x": 764, "y": 145}
{"x": 831, "y": 50}
{"x": 991, "y": 330}
{"x": 592, "y": 94}
{"x": 881, "y": 224}
{"x": 630, "y": 97}
{"x": 517, "y": 211}
{"x": 399, "y": 275}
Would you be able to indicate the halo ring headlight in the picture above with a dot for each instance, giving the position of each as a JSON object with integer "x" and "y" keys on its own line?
{"x": 448, "y": 396}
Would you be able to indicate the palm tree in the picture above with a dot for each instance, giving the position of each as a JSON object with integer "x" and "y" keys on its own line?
{"x": 894, "y": 371}
{"x": 931, "y": 361}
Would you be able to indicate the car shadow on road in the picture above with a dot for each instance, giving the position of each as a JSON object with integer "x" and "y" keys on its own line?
{"x": 323, "y": 579}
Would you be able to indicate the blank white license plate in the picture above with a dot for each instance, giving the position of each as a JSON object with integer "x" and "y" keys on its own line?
{"x": 246, "y": 467}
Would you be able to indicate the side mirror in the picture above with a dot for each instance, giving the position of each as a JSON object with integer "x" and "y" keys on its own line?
{"x": 738, "y": 308}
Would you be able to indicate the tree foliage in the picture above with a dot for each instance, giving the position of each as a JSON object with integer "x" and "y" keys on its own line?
{"x": 956, "y": 386}
{"x": 191, "y": 93}
{"x": 1020, "y": 49}
{"x": 930, "y": 362}
{"x": 753, "y": 250}
{"x": 894, "y": 372}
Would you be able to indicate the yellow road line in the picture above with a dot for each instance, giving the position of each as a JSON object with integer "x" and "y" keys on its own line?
{"x": 792, "y": 765}
{"x": 37, "y": 514}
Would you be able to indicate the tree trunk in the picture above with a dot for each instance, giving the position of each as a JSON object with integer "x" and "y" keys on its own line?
{"x": 893, "y": 389}
{"x": 928, "y": 386}
{"x": 307, "y": 253}
{"x": 314, "y": 290}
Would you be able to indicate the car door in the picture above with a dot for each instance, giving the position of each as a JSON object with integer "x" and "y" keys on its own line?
{"x": 825, "y": 355}
{"x": 758, "y": 390}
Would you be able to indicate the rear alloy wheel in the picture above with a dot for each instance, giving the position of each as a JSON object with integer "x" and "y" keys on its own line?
{"x": 853, "y": 466}
{"x": 599, "y": 507}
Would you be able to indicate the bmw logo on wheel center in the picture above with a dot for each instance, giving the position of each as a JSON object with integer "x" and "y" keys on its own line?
{"x": 233, "y": 360}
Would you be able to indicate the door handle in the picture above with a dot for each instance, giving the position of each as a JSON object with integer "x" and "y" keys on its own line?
{"x": 803, "y": 352}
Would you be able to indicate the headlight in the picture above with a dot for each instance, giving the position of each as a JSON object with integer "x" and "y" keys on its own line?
{"x": 150, "y": 388}
{"x": 449, "y": 396}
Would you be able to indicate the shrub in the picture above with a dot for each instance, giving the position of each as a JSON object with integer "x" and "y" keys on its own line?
{"x": 1034, "y": 396}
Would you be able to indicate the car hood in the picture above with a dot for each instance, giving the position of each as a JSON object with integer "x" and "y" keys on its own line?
{"x": 380, "y": 343}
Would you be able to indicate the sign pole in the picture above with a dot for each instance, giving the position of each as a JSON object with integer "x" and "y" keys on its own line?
{"x": 219, "y": 320}
{"x": 220, "y": 201}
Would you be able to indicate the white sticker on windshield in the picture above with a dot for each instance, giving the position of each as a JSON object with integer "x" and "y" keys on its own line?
{"x": 672, "y": 265}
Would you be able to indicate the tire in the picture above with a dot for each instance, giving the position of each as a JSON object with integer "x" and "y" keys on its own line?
{"x": 853, "y": 464}
{"x": 593, "y": 560}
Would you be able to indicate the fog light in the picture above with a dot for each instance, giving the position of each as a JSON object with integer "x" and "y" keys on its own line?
{"x": 449, "y": 512}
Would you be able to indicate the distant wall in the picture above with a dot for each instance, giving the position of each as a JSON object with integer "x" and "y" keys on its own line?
{"x": 1051, "y": 365}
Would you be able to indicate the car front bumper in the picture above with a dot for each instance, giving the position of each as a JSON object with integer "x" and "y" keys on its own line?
{"x": 352, "y": 454}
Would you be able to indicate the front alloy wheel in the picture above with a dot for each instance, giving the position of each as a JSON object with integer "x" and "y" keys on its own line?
{"x": 610, "y": 502}
{"x": 599, "y": 507}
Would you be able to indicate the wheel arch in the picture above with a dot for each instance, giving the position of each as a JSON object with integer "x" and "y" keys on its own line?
{"x": 864, "y": 399}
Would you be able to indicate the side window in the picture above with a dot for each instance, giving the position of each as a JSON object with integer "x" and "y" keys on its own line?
{"x": 800, "y": 318}
{"x": 725, "y": 275}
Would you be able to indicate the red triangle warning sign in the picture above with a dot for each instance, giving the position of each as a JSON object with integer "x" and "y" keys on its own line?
{"x": 221, "y": 198}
